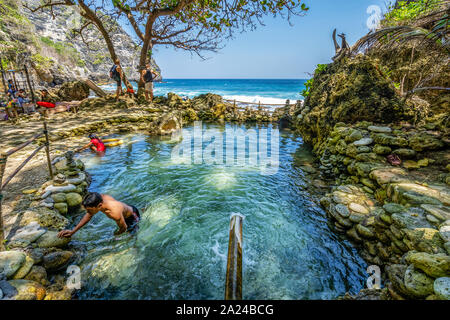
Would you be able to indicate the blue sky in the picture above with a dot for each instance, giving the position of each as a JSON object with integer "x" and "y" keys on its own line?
{"x": 276, "y": 50}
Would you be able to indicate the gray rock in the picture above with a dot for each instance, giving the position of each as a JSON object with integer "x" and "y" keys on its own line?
{"x": 379, "y": 129}
{"x": 444, "y": 231}
{"x": 358, "y": 208}
{"x": 363, "y": 142}
{"x": 26, "y": 235}
{"x": 11, "y": 261}
{"x": 50, "y": 239}
{"x": 57, "y": 260}
{"x": 442, "y": 288}
{"x": 417, "y": 283}
{"x": 342, "y": 210}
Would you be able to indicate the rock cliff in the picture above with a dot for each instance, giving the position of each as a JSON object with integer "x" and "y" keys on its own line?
{"x": 55, "y": 53}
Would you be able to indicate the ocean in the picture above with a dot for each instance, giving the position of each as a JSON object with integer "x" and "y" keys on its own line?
{"x": 266, "y": 91}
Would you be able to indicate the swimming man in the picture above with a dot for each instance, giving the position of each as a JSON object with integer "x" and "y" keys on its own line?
{"x": 126, "y": 217}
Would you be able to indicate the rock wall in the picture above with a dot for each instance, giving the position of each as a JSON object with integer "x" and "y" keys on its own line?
{"x": 347, "y": 91}
{"x": 392, "y": 183}
{"x": 34, "y": 267}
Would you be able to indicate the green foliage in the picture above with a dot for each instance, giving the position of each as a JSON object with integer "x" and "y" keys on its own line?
{"x": 64, "y": 49}
{"x": 42, "y": 62}
{"x": 308, "y": 84}
{"x": 409, "y": 11}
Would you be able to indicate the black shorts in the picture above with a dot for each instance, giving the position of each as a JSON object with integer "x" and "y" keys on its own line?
{"x": 119, "y": 82}
{"x": 132, "y": 221}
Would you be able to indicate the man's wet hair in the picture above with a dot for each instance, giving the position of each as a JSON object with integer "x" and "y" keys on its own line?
{"x": 93, "y": 136}
{"x": 92, "y": 200}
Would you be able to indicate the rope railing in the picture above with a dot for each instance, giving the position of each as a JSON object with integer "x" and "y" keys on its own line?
{"x": 4, "y": 158}
{"x": 259, "y": 103}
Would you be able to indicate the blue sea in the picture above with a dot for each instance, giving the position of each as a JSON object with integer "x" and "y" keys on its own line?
{"x": 269, "y": 91}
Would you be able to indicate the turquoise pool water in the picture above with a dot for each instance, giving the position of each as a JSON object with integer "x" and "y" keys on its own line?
{"x": 180, "y": 249}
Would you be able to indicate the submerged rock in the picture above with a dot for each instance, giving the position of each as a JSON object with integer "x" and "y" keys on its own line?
{"x": 28, "y": 290}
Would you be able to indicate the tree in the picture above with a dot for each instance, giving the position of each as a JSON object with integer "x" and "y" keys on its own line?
{"x": 191, "y": 25}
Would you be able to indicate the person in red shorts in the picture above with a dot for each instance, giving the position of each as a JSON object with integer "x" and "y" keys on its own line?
{"x": 95, "y": 144}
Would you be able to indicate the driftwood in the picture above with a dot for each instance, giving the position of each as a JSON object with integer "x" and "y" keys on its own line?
{"x": 97, "y": 90}
{"x": 341, "y": 50}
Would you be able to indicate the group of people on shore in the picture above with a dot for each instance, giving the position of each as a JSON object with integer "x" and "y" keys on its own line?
{"x": 147, "y": 76}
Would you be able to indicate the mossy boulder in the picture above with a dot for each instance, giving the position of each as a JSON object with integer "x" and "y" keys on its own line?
{"x": 73, "y": 91}
{"x": 349, "y": 91}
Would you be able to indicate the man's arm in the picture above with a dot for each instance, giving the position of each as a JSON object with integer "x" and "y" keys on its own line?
{"x": 122, "y": 225}
{"x": 85, "y": 147}
{"x": 68, "y": 233}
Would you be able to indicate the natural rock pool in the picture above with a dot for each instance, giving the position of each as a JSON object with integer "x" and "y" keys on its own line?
{"x": 180, "y": 249}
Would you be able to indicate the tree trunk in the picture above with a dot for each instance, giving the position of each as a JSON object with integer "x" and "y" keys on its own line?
{"x": 146, "y": 46}
{"x": 90, "y": 15}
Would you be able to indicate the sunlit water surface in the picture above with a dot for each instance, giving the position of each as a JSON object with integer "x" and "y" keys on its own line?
{"x": 180, "y": 249}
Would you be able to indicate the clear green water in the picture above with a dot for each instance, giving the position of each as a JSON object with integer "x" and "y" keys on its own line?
{"x": 180, "y": 249}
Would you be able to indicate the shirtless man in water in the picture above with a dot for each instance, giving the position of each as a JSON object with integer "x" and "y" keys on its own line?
{"x": 126, "y": 217}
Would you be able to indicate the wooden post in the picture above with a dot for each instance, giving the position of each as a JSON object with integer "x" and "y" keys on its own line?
{"x": 234, "y": 103}
{"x": 233, "y": 285}
{"x": 14, "y": 80}
{"x": 47, "y": 150}
{"x": 29, "y": 83}
{"x": 3, "y": 76}
{"x": 3, "y": 159}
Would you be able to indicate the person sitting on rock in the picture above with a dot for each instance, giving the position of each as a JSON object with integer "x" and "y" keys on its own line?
{"x": 126, "y": 216}
{"x": 116, "y": 74}
{"x": 130, "y": 90}
{"x": 11, "y": 108}
{"x": 96, "y": 144}
{"x": 46, "y": 102}
{"x": 11, "y": 89}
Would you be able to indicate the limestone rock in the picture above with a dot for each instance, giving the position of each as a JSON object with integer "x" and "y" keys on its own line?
{"x": 423, "y": 141}
{"x": 405, "y": 153}
{"x": 363, "y": 142}
{"x": 11, "y": 261}
{"x": 74, "y": 199}
{"x": 358, "y": 208}
{"x": 440, "y": 212}
{"x": 442, "y": 288}
{"x": 50, "y": 239}
{"x": 417, "y": 283}
{"x": 45, "y": 217}
{"x": 24, "y": 269}
{"x": 62, "y": 207}
{"x": 379, "y": 129}
{"x": 28, "y": 290}
{"x": 38, "y": 274}
{"x": 59, "y": 197}
{"x": 434, "y": 265}
{"x": 56, "y": 260}
{"x": 26, "y": 235}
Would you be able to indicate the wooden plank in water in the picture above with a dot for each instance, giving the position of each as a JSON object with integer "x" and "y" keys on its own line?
{"x": 233, "y": 284}
{"x": 97, "y": 90}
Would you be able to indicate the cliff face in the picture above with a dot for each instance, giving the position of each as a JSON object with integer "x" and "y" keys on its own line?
{"x": 54, "y": 52}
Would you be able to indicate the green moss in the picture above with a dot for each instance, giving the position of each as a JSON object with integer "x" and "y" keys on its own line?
{"x": 41, "y": 61}
{"x": 406, "y": 12}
